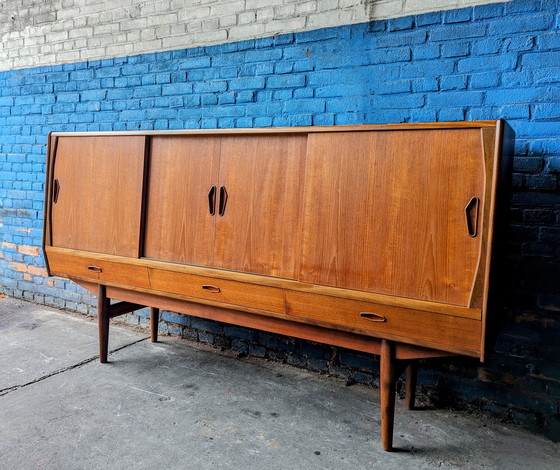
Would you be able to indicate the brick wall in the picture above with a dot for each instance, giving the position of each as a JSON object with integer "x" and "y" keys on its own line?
{"x": 490, "y": 61}
{"x": 46, "y": 32}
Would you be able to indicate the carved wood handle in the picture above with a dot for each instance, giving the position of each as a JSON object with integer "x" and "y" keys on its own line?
{"x": 375, "y": 317}
{"x": 213, "y": 289}
{"x": 212, "y": 200}
{"x": 56, "y": 191}
{"x": 95, "y": 269}
{"x": 223, "y": 200}
{"x": 471, "y": 215}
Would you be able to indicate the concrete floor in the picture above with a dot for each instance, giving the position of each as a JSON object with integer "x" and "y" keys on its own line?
{"x": 176, "y": 405}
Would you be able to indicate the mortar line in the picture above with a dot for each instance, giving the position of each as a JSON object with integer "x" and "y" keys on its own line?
{"x": 6, "y": 391}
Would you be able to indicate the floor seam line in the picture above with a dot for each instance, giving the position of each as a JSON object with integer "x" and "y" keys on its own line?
{"x": 6, "y": 391}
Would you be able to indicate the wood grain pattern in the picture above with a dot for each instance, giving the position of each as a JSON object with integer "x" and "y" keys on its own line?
{"x": 275, "y": 325}
{"x": 260, "y": 230}
{"x": 228, "y": 292}
{"x": 270, "y": 281}
{"x": 385, "y": 212}
{"x": 445, "y": 330}
{"x": 179, "y": 226}
{"x": 120, "y": 272}
{"x": 488, "y": 141}
{"x": 99, "y": 203}
{"x": 336, "y": 328}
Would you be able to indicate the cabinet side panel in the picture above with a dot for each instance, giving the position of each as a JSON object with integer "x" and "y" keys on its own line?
{"x": 98, "y": 186}
{"x": 179, "y": 226}
{"x": 386, "y": 212}
{"x": 47, "y": 205}
{"x": 499, "y": 188}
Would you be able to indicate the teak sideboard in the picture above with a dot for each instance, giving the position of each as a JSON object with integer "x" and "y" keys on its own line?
{"x": 373, "y": 238}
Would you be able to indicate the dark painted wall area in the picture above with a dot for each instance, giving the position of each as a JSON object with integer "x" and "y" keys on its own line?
{"x": 488, "y": 62}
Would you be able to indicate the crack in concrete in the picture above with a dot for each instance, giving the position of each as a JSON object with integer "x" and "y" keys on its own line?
{"x": 13, "y": 388}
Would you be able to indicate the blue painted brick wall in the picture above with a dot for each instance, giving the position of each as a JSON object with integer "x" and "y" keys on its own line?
{"x": 487, "y": 62}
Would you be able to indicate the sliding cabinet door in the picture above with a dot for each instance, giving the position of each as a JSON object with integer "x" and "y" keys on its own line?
{"x": 394, "y": 212}
{"x": 97, "y": 194}
{"x": 259, "y": 225}
{"x": 181, "y": 195}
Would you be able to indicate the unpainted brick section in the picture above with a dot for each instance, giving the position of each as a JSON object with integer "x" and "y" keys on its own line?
{"x": 378, "y": 72}
{"x": 48, "y": 33}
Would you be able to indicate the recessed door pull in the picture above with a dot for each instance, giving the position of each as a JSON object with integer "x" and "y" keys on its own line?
{"x": 212, "y": 200}
{"x": 56, "y": 190}
{"x": 375, "y": 317}
{"x": 471, "y": 215}
{"x": 95, "y": 269}
{"x": 223, "y": 200}
{"x": 209, "y": 288}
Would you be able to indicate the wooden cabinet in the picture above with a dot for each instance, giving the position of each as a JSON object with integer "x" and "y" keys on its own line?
{"x": 376, "y": 238}
{"x": 395, "y": 220}
{"x": 230, "y": 202}
{"x": 178, "y": 226}
{"x": 97, "y": 194}
{"x": 260, "y": 229}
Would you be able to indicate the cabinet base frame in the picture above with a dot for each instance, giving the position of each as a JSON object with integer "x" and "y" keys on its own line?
{"x": 394, "y": 357}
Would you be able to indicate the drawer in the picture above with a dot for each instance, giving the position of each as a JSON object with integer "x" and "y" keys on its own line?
{"x": 218, "y": 290}
{"x": 73, "y": 265}
{"x": 417, "y": 325}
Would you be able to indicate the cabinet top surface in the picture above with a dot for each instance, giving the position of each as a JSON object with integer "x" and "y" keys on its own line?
{"x": 307, "y": 129}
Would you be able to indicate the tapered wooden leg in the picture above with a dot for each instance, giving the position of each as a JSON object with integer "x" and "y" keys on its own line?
{"x": 410, "y": 386}
{"x": 103, "y": 322}
{"x": 387, "y": 392}
{"x": 154, "y": 321}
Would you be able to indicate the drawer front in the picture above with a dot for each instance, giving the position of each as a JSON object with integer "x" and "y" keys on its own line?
{"x": 421, "y": 326}
{"x": 218, "y": 290}
{"x": 100, "y": 270}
